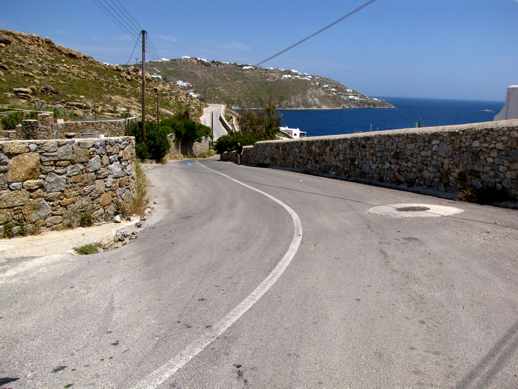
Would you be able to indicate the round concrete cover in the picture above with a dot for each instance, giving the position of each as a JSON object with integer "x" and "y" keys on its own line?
{"x": 414, "y": 210}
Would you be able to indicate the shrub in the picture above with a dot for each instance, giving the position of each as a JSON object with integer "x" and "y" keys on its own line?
{"x": 8, "y": 231}
{"x": 85, "y": 220}
{"x": 186, "y": 131}
{"x": 87, "y": 249}
{"x": 155, "y": 145}
{"x": 230, "y": 142}
{"x": 10, "y": 121}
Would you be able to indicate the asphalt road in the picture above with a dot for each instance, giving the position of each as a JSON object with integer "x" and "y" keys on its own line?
{"x": 214, "y": 111}
{"x": 367, "y": 301}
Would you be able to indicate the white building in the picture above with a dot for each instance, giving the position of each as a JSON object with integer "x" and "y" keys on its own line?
{"x": 183, "y": 84}
{"x": 510, "y": 110}
{"x": 293, "y": 133}
{"x": 248, "y": 67}
{"x": 156, "y": 76}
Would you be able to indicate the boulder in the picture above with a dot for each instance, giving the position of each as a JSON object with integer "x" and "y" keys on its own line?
{"x": 48, "y": 90}
{"x": 24, "y": 167}
{"x": 23, "y": 93}
{"x": 4, "y": 39}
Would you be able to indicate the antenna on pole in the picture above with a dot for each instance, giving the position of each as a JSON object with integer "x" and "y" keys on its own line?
{"x": 143, "y": 84}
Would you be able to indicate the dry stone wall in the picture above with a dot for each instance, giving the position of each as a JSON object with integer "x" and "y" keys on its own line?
{"x": 451, "y": 159}
{"x": 53, "y": 184}
{"x": 94, "y": 128}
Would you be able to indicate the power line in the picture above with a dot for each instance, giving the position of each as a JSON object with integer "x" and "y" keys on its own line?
{"x": 108, "y": 11}
{"x": 321, "y": 30}
{"x": 120, "y": 17}
{"x": 133, "y": 50}
{"x": 132, "y": 20}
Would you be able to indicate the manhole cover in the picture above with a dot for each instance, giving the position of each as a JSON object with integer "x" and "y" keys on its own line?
{"x": 413, "y": 209}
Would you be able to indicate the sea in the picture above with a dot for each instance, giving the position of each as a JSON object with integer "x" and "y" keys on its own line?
{"x": 409, "y": 112}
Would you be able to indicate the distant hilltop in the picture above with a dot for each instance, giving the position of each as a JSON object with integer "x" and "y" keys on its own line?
{"x": 248, "y": 86}
{"x": 37, "y": 73}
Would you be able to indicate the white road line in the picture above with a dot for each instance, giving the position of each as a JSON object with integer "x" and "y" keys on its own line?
{"x": 167, "y": 370}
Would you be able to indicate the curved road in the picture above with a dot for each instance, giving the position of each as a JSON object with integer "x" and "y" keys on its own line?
{"x": 367, "y": 301}
{"x": 210, "y": 117}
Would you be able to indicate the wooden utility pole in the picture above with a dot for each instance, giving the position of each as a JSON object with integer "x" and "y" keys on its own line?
{"x": 157, "y": 109}
{"x": 143, "y": 84}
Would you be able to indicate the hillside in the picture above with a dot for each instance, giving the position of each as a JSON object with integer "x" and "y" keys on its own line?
{"x": 36, "y": 73}
{"x": 246, "y": 86}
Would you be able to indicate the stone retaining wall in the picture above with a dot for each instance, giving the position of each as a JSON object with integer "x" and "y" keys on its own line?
{"x": 106, "y": 127}
{"x": 467, "y": 158}
{"x": 50, "y": 185}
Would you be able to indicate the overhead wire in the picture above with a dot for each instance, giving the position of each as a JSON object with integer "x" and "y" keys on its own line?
{"x": 133, "y": 50}
{"x": 111, "y": 14}
{"x": 319, "y": 31}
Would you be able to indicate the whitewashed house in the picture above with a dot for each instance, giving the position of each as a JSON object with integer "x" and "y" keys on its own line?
{"x": 293, "y": 133}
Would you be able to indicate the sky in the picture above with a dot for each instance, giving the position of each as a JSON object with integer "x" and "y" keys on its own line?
{"x": 456, "y": 49}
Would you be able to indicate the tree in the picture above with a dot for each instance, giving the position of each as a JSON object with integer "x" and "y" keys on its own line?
{"x": 186, "y": 131}
{"x": 156, "y": 146}
{"x": 264, "y": 124}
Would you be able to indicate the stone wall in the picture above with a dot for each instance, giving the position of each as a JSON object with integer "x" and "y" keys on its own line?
{"x": 50, "y": 185}
{"x": 45, "y": 127}
{"x": 467, "y": 158}
{"x": 94, "y": 128}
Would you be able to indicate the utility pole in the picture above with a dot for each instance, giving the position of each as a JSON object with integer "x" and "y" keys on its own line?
{"x": 157, "y": 109}
{"x": 143, "y": 85}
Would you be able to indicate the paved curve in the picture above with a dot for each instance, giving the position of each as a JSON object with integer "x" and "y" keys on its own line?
{"x": 368, "y": 301}
{"x": 211, "y": 115}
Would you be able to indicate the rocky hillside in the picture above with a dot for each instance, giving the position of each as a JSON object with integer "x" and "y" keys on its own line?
{"x": 246, "y": 86}
{"x": 36, "y": 73}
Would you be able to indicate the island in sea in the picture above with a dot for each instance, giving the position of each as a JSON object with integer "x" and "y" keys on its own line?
{"x": 243, "y": 86}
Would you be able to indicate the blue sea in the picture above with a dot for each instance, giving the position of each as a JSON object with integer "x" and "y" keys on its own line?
{"x": 408, "y": 112}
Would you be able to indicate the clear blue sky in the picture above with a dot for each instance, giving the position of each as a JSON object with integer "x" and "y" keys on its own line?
{"x": 466, "y": 49}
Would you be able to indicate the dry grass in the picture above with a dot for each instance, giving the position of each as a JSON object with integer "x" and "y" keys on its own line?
{"x": 140, "y": 200}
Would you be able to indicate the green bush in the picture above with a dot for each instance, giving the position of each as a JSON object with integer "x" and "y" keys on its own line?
{"x": 155, "y": 145}
{"x": 10, "y": 121}
{"x": 87, "y": 249}
{"x": 186, "y": 131}
{"x": 230, "y": 142}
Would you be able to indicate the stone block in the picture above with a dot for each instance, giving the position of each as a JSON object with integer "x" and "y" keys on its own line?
{"x": 10, "y": 199}
{"x": 13, "y": 148}
{"x": 54, "y": 220}
{"x": 105, "y": 199}
{"x": 100, "y": 186}
{"x": 55, "y": 183}
{"x": 24, "y": 167}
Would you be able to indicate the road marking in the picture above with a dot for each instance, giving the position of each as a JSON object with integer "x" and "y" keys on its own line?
{"x": 167, "y": 370}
